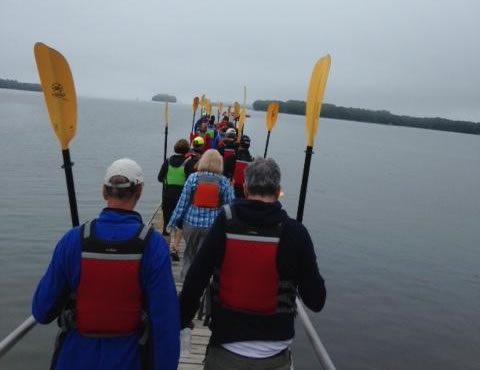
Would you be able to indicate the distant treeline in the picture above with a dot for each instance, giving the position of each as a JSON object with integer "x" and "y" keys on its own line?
{"x": 374, "y": 116}
{"x": 165, "y": 97}
{"x": 14, "y": 84}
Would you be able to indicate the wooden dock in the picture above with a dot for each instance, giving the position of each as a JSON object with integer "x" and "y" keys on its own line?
{"x": 200, "y": 334}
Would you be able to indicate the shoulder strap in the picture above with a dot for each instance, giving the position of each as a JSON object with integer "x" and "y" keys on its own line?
{"x": 228, "y": 211}
{"x": 88, "y": 229}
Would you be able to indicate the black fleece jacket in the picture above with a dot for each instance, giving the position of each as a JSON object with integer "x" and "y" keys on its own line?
{"x": 296, "y": 261}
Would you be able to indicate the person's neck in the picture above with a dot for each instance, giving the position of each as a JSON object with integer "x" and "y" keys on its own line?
{"x": 126, "y": 205}
{"x": 263, "y": 198}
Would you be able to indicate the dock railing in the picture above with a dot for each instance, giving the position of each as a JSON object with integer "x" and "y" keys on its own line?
{"x": 16, "y": 335}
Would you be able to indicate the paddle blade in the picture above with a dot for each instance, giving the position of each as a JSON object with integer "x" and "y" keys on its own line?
{"x": 316, "y": 90}
{"x": 166, "y": 114}
{"x": 208, "y": 107}
{"x": 219, "y": 107}
{"x": 241, "y": 122}
{"x": 272, "y": 114}
{"x": 59, "y": 92}
{"x": 196, "y": 100}
{"x": 229, "y": 111}
{"x": 236, "y": 109}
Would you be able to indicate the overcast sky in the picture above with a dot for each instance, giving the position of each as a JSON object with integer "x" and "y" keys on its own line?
{"x": 418, "y": 57}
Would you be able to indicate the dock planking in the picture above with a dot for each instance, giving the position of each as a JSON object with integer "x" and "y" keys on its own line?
{"x": 200, "y": 334}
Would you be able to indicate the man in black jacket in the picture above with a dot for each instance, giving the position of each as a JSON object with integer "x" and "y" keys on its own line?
{"x": 259, "y": 259}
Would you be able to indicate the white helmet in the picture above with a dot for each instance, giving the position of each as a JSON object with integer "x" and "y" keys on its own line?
{"x": 231, "y": 133}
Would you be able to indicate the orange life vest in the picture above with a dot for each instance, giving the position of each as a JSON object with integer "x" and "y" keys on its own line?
{"x": 248, "y": 279}
{"x": 109, "y": 295}
{"x": 207, "y": 191}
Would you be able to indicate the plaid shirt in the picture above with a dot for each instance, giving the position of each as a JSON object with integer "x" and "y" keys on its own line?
{"x": 199, "y": 216}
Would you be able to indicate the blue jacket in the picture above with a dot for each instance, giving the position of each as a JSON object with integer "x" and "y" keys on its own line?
{"x": 62, "y": 276}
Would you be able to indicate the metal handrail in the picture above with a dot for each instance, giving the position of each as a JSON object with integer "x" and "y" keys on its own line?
{"x": 17, "y": 334}
{"x": 315, "y": 341}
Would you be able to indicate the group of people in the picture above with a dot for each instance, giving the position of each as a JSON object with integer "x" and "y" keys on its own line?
{"x": 110, "y": 286}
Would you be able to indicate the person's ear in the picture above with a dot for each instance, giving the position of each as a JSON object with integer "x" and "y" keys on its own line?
{"x": 104, "y": 192}
{"x": 138, "y": 193}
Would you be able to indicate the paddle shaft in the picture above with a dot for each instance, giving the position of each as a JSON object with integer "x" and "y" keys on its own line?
{"x": 67, "y": 166}
{"x": 193, "y": 120}
{"x": 303, "y": 187}
{"x": 165, "y": 146}
{"x": 266, "y": 145}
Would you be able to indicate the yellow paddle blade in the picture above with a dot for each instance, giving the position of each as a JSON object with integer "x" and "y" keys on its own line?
{"x": 202, "y": 101}
{"x": 59, "y": 92}
{"x": 208, "y": 107}
{"x": 229, "y": 112}
{"x": 241, "y": 122}
{"x": 272, "y": 114}
{"x": 236, "y": 109}
{"x": 219, "y": 107}
{"x": 316, "y": 90}
{"x": 196, "y": 100}
{"x": 166, "y": 113}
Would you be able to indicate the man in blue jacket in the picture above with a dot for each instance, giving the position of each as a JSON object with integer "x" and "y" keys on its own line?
{"x": 110, "y": 285}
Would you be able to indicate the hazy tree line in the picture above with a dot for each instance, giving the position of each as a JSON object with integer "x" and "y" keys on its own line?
{"x": 374, "y": 116}
{"x": 14, "y": 84}
{"x": 165, "y": 97}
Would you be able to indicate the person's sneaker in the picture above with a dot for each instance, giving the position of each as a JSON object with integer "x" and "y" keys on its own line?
{"x": 175, "y": 256}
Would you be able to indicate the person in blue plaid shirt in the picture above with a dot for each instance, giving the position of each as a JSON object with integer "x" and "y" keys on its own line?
{"x": 203, "y": 195}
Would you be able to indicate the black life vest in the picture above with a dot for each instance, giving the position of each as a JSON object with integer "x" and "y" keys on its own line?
{"x": 248, "y": 278}
{"x": 109, "y": 297}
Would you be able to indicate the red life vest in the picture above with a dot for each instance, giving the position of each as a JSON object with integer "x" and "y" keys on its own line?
{"x": 248, "y": 278}
{"x": 239, "y": 172}
{"x": 227, "y": 152}
{"x": 109, "y": 295}
{"x": 207, "y": 191}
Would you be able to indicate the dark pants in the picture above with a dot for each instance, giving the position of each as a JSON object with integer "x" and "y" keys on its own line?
{"x": 218, "y": 358}
{"x": 168, "y": 206}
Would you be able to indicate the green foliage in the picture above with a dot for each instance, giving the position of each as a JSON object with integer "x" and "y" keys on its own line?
{"x": 14, "y": 84}
{"x": 374, "y": 116}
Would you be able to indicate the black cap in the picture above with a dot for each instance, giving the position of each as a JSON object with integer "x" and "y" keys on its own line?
{"x": 245, "y": 141}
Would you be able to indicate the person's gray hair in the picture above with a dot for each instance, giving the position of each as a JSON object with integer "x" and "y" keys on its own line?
{"x": 262, "y": 177}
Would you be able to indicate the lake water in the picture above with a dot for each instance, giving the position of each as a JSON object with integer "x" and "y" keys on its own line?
{"x": 394, "y": 214}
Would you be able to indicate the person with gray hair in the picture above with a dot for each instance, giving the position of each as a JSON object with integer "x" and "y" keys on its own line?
{"x": 259, "y": 259}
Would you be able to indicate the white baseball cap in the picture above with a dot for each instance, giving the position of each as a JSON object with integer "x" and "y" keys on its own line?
{"x": 125, "y": 167}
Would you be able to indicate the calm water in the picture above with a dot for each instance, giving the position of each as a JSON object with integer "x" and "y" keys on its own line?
{"x": 394, "y": 214}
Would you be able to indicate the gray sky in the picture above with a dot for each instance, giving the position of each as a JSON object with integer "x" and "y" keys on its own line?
{"x": 418, "y": 57}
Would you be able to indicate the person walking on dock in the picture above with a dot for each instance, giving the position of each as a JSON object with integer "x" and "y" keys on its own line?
{"x": 259, "y": 259}
{"x": 110, "y": 285}
{"x": 173, "y": 175}
{"x": 236, "y": 164}
{"x": 204, "y": 192}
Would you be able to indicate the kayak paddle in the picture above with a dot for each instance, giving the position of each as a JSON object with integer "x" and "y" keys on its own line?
{"x": 59, "y": 92}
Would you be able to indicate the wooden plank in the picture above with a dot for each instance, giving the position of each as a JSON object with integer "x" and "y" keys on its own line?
{"x": 200, "y": 334}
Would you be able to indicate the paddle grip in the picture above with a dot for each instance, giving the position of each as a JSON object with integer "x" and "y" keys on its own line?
{"x": 303, "y": 188}
{"x": 67, "y": 166}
